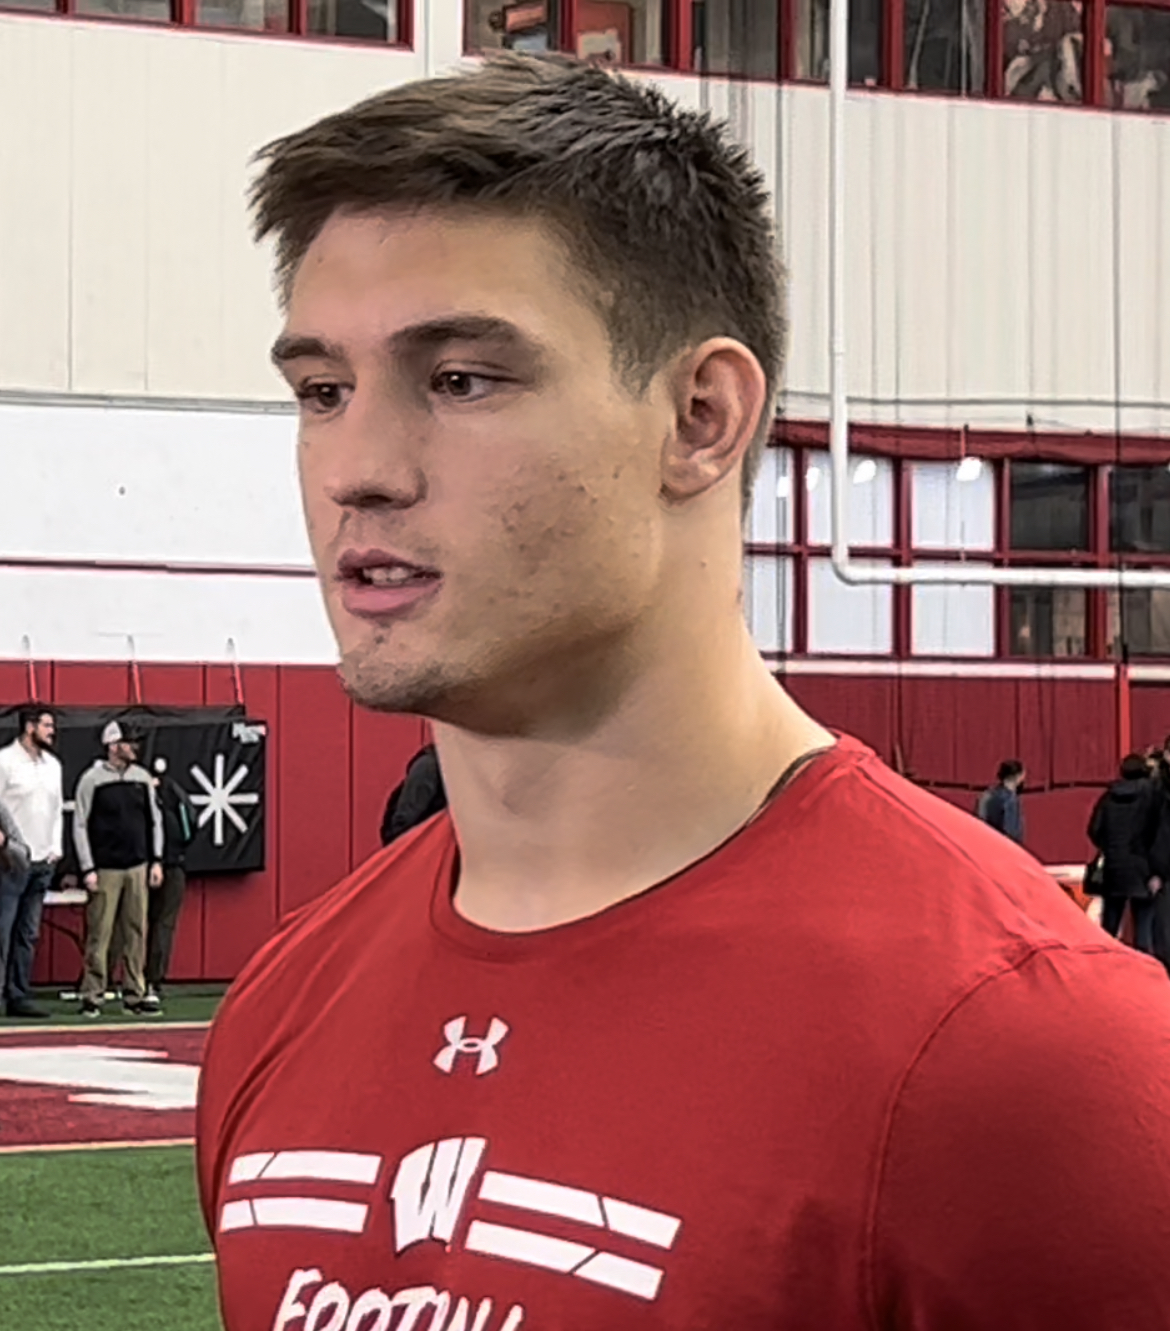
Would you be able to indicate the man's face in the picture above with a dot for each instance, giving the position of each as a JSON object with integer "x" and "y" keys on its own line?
{"x": 43, "y": 732}
{"x": 460, "y": 412}
{"x": 123, "y": 752}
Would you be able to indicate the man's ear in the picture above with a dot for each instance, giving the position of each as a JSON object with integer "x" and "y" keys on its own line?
{"x": 719, "y": 393}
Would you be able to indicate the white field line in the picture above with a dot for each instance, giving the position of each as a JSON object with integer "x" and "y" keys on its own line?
{"x": 35, "y": 1148}
{"x": 99, "y": 1028}
{"x": 103, "y": 1264}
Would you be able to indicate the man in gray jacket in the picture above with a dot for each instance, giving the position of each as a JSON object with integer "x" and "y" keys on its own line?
{"x": 118, "y": 831}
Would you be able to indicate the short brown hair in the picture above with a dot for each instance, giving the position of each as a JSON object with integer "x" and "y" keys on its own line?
{"x": 665, "y": 213}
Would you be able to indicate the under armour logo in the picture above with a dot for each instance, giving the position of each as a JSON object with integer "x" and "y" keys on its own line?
{"x": 484, "y": 1046}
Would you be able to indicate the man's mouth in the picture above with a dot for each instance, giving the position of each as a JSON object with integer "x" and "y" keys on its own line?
{"x": 391, "y": 575}
{"x": 377, "y": 583}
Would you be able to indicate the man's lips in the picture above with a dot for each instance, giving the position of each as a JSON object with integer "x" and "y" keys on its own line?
{"x": 353, "y": 564}
{"x": 367, "y": 592}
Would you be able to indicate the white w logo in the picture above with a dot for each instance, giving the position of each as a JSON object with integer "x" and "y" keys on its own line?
{"x": 484, "y": 1046}
{"x": 430, "y": 1189}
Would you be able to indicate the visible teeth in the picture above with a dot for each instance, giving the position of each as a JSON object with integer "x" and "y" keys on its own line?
{"x": 382, "y": 577}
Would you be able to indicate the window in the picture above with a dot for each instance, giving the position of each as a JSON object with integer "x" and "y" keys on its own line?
{"x": 154, "y": 11}
{"x": 530, "y": 25}
{"x": 366, "y": 20}
{"x": 1048, "y": 621}
{"x": 258, "y": 15}
{"x": 622, "y": 34}
{"x": 952, "y": 621}
{"x": 870, "y": 502}
{"x": 943, "y": 45}
{"x": 1043, "y": 50}
{"x": 771, "y": 519}
{"x": 844, "y": 619}
{"x": 952, "y": 506}
{"x": 374, "y": 20}
{"x": 736, "y": 37}
{"x": 1139, "y": 622}
{"x": 865, "y": 41}
{"x": 1049, "y": 506}
{"x": 1137, "y": 58}
{"x": 1139, "y": 510}
{"x": 632, "y": 33}
{"x": 767, "y": 601}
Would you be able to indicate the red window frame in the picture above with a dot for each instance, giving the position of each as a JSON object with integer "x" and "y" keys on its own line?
{"x": 680, "y": 49}
{"x": 184, "y": 12}
{"x": 805, "y": 440}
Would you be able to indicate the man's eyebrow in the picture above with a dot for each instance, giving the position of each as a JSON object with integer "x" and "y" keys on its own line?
{"x": 427, "y": 335}
{"x": 294, "y": 346}
{"x": 459, "y": 328}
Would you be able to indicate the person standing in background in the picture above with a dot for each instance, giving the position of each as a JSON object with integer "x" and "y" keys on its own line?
{"x": 166, "y": 901}
{"x": 1000, "y": 805}
{"x": 1124, "y": 827}
{"x": 118, "y": 831}
{"x": 31, "y": 791}
{"x": 1160, "y": 855}
{"x": 416, "y": 798}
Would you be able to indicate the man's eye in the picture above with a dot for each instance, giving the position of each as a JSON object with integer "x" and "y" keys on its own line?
{"x": 461, "y": 384}
{"x": 320, "y": 397}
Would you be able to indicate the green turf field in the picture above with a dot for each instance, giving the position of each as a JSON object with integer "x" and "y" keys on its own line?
{"x": 72, "y": 1207}
{"x": 81, "y": 1230}
{"x": 188, "y": 1002}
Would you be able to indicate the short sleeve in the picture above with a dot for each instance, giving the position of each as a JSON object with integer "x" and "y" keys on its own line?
{"x": 1026, "y": 1176}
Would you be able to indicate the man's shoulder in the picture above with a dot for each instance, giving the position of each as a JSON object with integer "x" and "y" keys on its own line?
{"x": 916, "y": 885}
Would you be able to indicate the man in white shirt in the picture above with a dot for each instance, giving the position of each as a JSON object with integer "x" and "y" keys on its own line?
{"x": 31, "y": 791}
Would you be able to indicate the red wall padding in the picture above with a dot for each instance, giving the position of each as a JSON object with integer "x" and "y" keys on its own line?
{"x": 331, "y": 767}
{"x": 950, "y": 734}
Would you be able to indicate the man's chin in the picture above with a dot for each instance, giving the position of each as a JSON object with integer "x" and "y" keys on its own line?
{"x": 381, "y": 688}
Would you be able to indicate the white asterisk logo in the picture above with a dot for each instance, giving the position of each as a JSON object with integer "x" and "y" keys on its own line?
{"x": 220, "y": 799}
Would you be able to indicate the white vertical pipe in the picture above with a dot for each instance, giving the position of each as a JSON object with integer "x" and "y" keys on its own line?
{"x": 838, "y": 401}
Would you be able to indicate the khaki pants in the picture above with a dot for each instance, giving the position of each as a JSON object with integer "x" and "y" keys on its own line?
{"x": 120, "y": 899}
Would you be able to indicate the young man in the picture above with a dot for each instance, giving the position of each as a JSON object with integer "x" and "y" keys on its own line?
{"x": 688, "y": 1014}
{"x": 118, "y": 832}
{"x": 1000, "y": 805}
{"x": 30, "y": 788}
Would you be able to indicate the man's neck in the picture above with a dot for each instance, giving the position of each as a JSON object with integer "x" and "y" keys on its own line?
{"x": 551, "y": 832}
{"x": 31, "y": 747}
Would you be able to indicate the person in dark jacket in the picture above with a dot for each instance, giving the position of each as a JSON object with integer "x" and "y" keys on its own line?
{"x": 418, "y": 797}
{"x": 1000, "y": 805}
{"x": 1160, "y": 858}
{"x": 118, "y": 833}
{"x": 1124, "y": 828}
{"x": 166, "y": 901}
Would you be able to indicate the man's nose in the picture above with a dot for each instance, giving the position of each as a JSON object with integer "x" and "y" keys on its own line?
{"x": 372, "y": 458}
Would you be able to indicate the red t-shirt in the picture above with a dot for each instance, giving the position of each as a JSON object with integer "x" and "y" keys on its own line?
{"x": 863, "y": 1066}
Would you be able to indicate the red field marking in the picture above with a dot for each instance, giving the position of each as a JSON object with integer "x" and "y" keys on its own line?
{"x": 118, "y": 1063}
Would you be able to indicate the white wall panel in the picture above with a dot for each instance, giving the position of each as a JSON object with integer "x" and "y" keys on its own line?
{"x": 86, "y": 616}
{"x": 979, "y": 257}
{"x": 172, "y": 486}
{"x": 36, "y": 173}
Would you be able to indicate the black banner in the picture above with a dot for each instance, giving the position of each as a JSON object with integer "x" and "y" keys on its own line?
{"x": 216, "y": 754}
